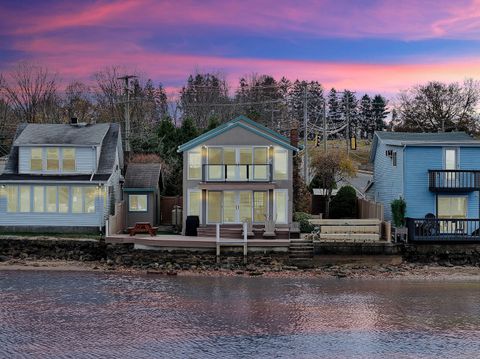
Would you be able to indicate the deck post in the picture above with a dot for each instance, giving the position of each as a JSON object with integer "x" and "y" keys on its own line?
{"x": 245, "y": 235}
{"x": 217, "y": 241}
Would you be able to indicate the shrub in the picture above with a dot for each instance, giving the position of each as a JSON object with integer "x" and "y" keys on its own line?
{"x": 344, "y": 204}
{"x": 302, "y": 218}
{"x": 399, "y": 208}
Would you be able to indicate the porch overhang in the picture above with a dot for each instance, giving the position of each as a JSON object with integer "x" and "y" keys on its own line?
{"x": 226, "y": 186}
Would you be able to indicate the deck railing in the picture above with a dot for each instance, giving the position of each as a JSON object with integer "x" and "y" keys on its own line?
{"x": 443, "y": 230}
{"x": 453, "y": 180}
{"x": 237, "y": 173}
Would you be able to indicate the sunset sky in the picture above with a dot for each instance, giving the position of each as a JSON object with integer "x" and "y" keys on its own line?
{"x": 367, "y": 46}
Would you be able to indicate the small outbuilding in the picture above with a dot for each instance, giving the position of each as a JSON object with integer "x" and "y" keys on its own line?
{"x": 142, "y": 193}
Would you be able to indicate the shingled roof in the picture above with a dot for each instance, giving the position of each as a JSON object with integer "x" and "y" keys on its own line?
{"x": 409, "y": 137}
{"x": 142, "y": 175}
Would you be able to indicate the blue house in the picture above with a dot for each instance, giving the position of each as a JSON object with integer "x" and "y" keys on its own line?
{"x": 61, "y": 178}
{"x": 438, "y": 176}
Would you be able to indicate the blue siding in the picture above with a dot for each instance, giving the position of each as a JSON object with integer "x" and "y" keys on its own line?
{"x": 85, "y": 160}
{"x": 388, "y": 182}
{"x": 95, "y": 219}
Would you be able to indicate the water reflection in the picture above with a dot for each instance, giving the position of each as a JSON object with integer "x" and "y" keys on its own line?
{"x": 92, "y": 315}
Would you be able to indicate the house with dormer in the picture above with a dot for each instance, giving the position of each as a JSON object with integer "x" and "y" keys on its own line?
{"x": 61, "y": 178}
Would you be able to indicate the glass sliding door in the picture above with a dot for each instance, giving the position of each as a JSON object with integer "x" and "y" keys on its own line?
{"x": 229, "y": 207}
{"x": 215, "y": 164}
{"x": 230, "y": 161}
{"x": 245, "y": 162}
{"x": 260, "y": 163}
{"x": 260, "y": 206}
{"x": 214, "y": 204}
{"x": 245, "y": 206}
{"x": 450, "y": 164}
{"x": 281, "y": 206}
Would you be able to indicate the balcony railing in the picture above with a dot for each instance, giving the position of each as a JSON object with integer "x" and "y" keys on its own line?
{"x": 237, "y": 173}
{"x": 453, "y": 180}
{"x": 443, "y": 230}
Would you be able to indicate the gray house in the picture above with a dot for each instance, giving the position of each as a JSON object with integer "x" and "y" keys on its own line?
{"x": 142, "y": 193}
{"x": 239, "y": 171}
{"x": 61, "y": 177}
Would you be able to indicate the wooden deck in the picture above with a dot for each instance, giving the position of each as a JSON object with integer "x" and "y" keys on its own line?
{"x": 185, "y": 242}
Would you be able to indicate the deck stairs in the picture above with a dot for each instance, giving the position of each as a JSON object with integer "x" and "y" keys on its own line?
{"x": 301, "y": 252}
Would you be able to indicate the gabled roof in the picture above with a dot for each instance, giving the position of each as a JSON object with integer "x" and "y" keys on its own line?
{"x": 243, "y": 122}
{"x": 142, "y": 175}
{"x": 422, "y": 139}
{"x": 111, "y": 140}
{"x": 62, "y": 134}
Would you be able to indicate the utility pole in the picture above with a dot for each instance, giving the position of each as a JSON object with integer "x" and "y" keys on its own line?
{"x": 305, "y": 135}
{"x": 348, "y": 126}
{"x": 325, "y": 126}
{"x": 127, "y": 78}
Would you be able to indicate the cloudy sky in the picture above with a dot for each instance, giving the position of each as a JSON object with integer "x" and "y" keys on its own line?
{"x": 364, "y": 45}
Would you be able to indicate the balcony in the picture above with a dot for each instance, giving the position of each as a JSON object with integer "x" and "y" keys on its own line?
{"x": 454, "y": 180}
{"x": 435, "y": 230}
{"x": 237, "y": 173}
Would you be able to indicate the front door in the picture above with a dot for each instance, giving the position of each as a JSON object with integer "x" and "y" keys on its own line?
{"x": 451, "y": 165}
{"x": 237, "y": 206}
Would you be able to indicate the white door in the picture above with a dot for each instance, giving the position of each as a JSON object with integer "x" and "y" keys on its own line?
{"x": 450, "y": 164}
{"x": 237, "y": 206}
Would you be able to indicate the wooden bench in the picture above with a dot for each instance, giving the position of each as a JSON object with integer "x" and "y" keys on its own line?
{"x": 142, "y": 227}
{"x": 348, "y": 230}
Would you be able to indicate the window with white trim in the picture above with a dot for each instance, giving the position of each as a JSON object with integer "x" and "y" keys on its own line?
{"x": 280, "y": 163}
{"x": 280, "y": 205}
{"x": 194, "y": 203}
{"x": 137, "y": 203}
{"x": 194, "y": 158}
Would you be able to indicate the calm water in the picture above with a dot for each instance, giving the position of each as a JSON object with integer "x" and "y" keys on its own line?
{"x": 93, "y": 315}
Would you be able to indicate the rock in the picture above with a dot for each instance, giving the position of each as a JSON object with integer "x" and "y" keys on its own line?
{"x": 239, "y": 272}
{"x": 3, "y": 258}
{"x": 110, "y": 262}
{"x": 171, "y": 272}
{"x": 255, "y": 274}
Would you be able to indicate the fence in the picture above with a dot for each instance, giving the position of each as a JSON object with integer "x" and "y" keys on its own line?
{"x": 116, "y": 223}
{"x": 369, "y": 209}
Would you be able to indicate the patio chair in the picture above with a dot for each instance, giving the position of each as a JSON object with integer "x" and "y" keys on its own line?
{"x": 430, "y": 227}
{"x": 269, "y": 231}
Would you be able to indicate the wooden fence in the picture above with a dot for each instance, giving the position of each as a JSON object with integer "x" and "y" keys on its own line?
{"x": 116, "y": 223}
{"x": 369, "y": 209}
{"x": 166, "y": 206}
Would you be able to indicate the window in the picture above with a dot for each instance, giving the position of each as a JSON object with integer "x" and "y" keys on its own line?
{"x": 137, "y": 203}
{"x": 12, "y": 198}
{"x": 280, "y": 164}
{"x": 38, "y": 199}
{"x": 260, "y": 163}
{"x": 68, "y": 159}
{"x": 215, "y": 163}
{"x": 450, "y": 159}
{"x": 77, "y": 200}
{"x": 214, "y": 214}
{"x": 281, "y": 206}
{"x": 452, "y": 207}
{"x": 195, "y": 164}
{"x": 63, "y": 199}
{"x": 51, "y": 199}
{"x": 260, "y": 206}
{"x": 394, "y": 158}
{"x": 36, "y": 160}
{"x": 90, "y": 199}
{"x": 24, "y": 198}
{"x": 194, "y": 203}
{"x": 52, "y": 159}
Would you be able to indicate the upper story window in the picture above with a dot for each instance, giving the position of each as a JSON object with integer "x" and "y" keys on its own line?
{"x": 68, "y": 159}
{"x": 195, "y": 164}
{"x": 36, "y": 159}
{"x": 53, "y": 163}
{"x": 280, "y": 164}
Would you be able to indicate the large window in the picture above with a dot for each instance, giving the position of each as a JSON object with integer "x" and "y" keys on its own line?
{"x": 12, "y": 198}
{"x": 195, "y": 164}
{"x": 260, "y": 206}
{"x": 452, "y": 207}
{"x": 281, "y": 206}
{"x": 137, "y": 203}
{"x": 77, "y": 200}
{"x": 24, "y": 198}
{"x": 194, "y": 203}
{"x": 90, "y": 199}
{"x": 280, "y": 164}
{"x": 214, "y": 214}
{"x": 51, "y": 192}
{"x": 215, "y": 163}
{"x": 63, "y": 199}
{"x": 38, "y": 199}
{"x": 68, "y": 159}
{"x": 52, "y": 159}
{"x": 36, "y": 159}
{"x": 260, "y": 162}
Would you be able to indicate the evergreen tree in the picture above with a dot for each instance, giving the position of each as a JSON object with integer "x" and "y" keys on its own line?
{"x": 366, "y": 123}
{"x": 348, "y": 108}
{"x": 334, "y": 114}
{"x": 379, "y": 112}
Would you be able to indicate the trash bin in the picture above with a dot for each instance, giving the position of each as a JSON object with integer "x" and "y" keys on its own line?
{"x": 191, "y": 225}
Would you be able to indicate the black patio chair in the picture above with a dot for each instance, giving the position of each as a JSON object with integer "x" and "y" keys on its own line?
{"x": 431, "y": 226}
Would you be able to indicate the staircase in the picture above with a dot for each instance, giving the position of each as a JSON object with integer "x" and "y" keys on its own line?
{"x": 301, "y": 252}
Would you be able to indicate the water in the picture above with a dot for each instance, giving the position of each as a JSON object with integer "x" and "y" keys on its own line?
{"x": 93, "y": 315}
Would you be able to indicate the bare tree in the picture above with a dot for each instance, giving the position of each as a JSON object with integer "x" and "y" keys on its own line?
{"x": 78, "y": 101}
{"x": 31, "y": 91}
{"x": 437, "y": 106}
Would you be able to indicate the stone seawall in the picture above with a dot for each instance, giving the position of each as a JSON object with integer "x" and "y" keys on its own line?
{"x": 443, "y": 254}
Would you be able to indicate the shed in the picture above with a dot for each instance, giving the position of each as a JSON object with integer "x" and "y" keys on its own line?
{"x": 142, "y": 193}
